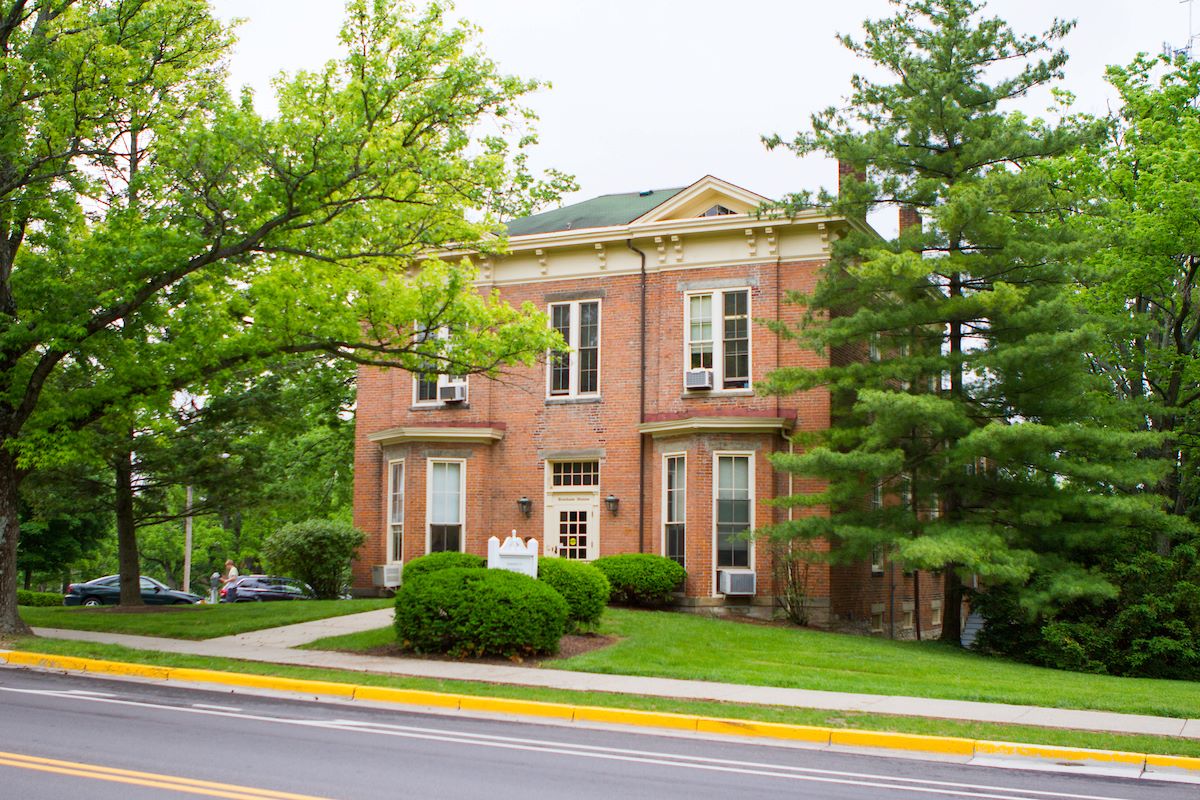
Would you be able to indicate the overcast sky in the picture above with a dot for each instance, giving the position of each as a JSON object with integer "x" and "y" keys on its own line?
{"x": 658, "y": 93}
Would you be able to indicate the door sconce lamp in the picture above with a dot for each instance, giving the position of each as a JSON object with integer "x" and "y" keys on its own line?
{"x": 612, "y": 502}
{"x": 526, "y": 505}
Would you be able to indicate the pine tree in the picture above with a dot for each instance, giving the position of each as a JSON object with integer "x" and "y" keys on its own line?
{"x": 968, "y": 397}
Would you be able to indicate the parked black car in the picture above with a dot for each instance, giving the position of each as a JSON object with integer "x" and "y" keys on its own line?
{"x": 106, "y": 591}
{"x": 257, "y": 588}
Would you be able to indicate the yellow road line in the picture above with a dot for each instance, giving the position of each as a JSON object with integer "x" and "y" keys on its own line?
{"x": 148, "y": 779}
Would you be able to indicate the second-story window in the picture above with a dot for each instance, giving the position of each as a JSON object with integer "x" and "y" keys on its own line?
{"x": 576, "y": 370}
{"x": 718, "y": 338}
{"x": 431, "y": 388}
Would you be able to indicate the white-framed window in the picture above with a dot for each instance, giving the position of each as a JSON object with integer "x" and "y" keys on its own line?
{"x": 877, "y": 496}
{"x": 733, "y": 509}
{"x": 873, "y": 352}
{"x": 427, "y": 386}
{"x": 565, "y": 474}
{"x": 575, "y": 372}
{"x": 906, "y": 621}
{"x": 445, "y": 501}
{"x": 675, "y": 507}
{"x": 717, "y": 336}
{"x": 395, "y": 512}
{"x": 935, "y": 613}
{"x": 877, "y": 559}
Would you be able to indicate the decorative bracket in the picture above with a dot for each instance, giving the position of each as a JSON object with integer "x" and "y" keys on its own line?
{"x": 678, "y": 244}
{"x": 751, "y": 242}
{"x": 772, "y": 242}
{"x": 541, "y": 257}
{"x": 823, "y": 229}
{"x": 662, "y": 249}
{"x": 602, "y": 255}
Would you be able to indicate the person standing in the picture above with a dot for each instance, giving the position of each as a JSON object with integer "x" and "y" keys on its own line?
{"x": 231, "y": 571}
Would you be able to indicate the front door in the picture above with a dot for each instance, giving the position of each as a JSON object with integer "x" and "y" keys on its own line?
{"x": 571, "y": 526}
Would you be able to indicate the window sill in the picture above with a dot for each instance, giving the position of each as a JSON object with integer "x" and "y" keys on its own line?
{"x": 437, "y": 406}
{"x": 572, "y": 401}
{"x": 699, "y": 394}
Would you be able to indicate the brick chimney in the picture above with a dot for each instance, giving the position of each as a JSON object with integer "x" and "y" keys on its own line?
{"x": 909, "y": 218}
{"x": 848, "y": 170}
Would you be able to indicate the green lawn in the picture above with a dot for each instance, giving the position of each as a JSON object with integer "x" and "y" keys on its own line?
{"x": 673, "y": 645}
{"x": 797, "y": 716}
{"x": 194, "y": 622}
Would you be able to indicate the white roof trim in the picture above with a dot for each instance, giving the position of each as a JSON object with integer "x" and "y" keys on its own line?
{"x": 415, "y": 434}
{"x": 692, "y": 425}
{"x": 663, "y": 211}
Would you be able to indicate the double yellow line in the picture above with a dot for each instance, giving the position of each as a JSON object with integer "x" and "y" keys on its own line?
{"x": 148, "y": 779}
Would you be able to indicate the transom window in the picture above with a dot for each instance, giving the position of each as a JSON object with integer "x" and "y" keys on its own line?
{"x": 675, "y": 507}
{"x": 574, "y": 473}
{"x": 576, "y": 370}
{"x": 718, "y": 336}
{"x": 445, "y": 505}
{"x": 733, "y": 514}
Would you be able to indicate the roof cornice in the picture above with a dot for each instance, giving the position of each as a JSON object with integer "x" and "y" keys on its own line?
{"x": 618, "y": 233}
{"x": 694, "y": 425}
{"x": 436, "y": 434}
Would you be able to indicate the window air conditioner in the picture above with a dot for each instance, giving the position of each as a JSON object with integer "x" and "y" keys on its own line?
{"x": 698, "y": 379}
{"x": 735, "y": 582}
{"x": 454, "y": 393}
{"x": 386, "y": 575}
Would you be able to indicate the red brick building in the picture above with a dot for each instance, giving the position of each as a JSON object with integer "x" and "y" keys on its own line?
{"x": 649, "y": 435}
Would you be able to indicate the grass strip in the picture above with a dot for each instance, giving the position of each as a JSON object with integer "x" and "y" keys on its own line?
{"x": 665, "y": 644}
{"x": 194, "y": 621}
{"x": 798, "y": 716}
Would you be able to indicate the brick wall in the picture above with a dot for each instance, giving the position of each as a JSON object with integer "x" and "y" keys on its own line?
{"x": 537, "y": 429}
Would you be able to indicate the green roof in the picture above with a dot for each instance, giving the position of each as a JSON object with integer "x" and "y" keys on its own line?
{"x": 599, "y": 212}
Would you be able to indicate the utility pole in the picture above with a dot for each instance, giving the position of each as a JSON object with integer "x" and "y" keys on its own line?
{"x": 187, "y": 542}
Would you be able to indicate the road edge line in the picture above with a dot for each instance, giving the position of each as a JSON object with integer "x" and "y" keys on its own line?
{"x": 1149, "y": 763}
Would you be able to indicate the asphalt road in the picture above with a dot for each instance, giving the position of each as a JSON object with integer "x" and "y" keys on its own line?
{"x": 72, "y": 736}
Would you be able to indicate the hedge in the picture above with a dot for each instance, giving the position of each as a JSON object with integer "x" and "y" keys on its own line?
{"x": 584, "y": 587}
{"x": 28, "y": 598}
{"x": 472, "y": 612}
{"x": 448, "y": 559}
{"x": 641, "y": 579}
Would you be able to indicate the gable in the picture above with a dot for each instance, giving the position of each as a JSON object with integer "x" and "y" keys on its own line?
{"x": 708, "y": 196}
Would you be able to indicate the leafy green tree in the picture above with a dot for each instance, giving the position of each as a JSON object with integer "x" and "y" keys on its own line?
{"x": 316, "y": 551}
{"x": 1141, "y": 182}
{"x": 958, "y": 372}
{"x": 154, "y": 232}
{"x": 1136, "y": 189}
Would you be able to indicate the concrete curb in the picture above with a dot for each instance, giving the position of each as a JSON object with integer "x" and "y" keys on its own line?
{"x": 1157, "y": 766}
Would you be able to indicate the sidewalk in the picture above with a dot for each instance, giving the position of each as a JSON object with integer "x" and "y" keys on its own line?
{"x": 276, "y": 646}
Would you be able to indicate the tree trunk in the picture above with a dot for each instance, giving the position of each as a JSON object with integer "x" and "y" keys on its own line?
{"x": 952, "y": 607}
{"x": 11, "y": 623}
{"x": 28, "y": 578}
{"x": 128, "y": 562}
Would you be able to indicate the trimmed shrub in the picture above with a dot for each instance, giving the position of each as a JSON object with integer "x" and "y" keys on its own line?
{"x": 583, "y": 586}
{"x": 317, "y": 551}
{"x": 641, "y": 579}
{"x": 466, "y": 612}
{"x": 449, "y": 559}
{"x": 28, "y": 598}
